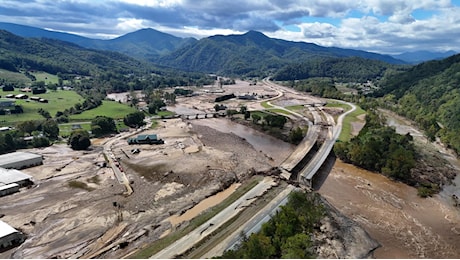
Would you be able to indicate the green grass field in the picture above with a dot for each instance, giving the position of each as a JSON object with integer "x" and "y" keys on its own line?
{"x": 66, "y": 128}
{"x": 279, "y": 111}
{"x": 46, "y": 77}
{"x": 58, "y": 101}
{"x": 15, "y": 77}
{"x": 296, "y": 107}
{"x": 265, "y": 104}
{"x": 111, "y": 109}
{"x": 165, "y": 113}
{"x": 345, "y": 135}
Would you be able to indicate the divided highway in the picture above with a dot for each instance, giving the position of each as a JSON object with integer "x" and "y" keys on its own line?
{"x": 254, "y": 224}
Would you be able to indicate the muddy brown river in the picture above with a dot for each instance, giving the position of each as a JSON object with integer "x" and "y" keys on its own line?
{"x": 405, "y": 225}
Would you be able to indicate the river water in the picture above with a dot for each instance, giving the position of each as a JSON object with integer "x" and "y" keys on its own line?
{"x": 405, "y": 225}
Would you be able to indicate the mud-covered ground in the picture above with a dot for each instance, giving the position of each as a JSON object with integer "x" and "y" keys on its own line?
{"x": 65, "y": 221}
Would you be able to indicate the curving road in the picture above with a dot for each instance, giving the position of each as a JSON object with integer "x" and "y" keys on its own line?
{"x": 253, "y": 225}
{"x": 306, "y": 175}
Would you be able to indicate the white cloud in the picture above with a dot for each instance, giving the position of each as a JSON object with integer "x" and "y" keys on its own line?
{"x": 153, "y": 3}
{"x": 377, "y": 25}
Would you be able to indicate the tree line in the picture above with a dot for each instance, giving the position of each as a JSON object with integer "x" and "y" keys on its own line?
{"x": 429, "y": 94}
{"x": 379, "y": 148}
{"x": 288, "y": 234}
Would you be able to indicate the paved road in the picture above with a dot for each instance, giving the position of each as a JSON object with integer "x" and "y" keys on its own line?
{"x": 253, "y": 225}
{"x": 183, "y": 244}
{"x": 186, "y": 242}
{"x": 310, "y": 138}
{"x": 307, "y": 173}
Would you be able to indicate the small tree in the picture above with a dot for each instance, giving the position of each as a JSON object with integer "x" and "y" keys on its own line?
{"x": 50, "y": 129}
{"x": 79, "y": 139}
{"x": 135, "y": 119}
{"x": 155, "y": 105}
{"x": 256, "y": 118}
{"x": 243, "y": 109}
{"x": 247, "y": 115}
{"x": 296, "y": 135}
{"x": 102, "y": 125}
{"x": 44, "y": 113}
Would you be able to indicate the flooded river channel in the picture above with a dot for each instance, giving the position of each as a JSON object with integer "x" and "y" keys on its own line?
{"x": 405, "y": 225}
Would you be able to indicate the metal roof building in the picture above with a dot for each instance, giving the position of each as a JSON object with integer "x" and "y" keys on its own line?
{"x": 20, "y": 160}
{"x": 9, "y": 236}
{"x": 9, "y": 176}
{"x": 8, "y": 189}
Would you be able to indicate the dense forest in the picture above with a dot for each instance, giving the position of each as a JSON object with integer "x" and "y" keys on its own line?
{"x": 379, "y": 148}
{"x": 288, "y": 234}
{"x": 100, "y": 71}
{"x": 353, "y": 69}
{"x": 429, "y": 94}
{"x": 254, "y": 54}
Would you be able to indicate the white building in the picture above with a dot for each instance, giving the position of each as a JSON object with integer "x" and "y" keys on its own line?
{"x": 8, "y": 189}
{"x": 9, "y": 237}
{"x": 20, "y": 160}
{"x": 10, "y": 176}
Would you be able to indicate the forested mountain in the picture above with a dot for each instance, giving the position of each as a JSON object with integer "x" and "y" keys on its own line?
{"x": 351, "y": 69}
{"x": 144, "y": 43}
{"x": 249, "y": 54}
{"x": 421, "y": 56}
{"x": 428, "y": 93}
{"x": 54, "y": 56}
{"x": 253, "y": 52}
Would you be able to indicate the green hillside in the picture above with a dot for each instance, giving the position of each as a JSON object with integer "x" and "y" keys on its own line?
{"x": 253, "y": 53}
{"x": 429, "y": 94}
{"x": 53, "y": 56}
{"x": 352, "y": 69}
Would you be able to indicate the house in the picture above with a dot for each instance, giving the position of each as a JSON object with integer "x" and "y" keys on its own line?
{"x": 145, "y": 139}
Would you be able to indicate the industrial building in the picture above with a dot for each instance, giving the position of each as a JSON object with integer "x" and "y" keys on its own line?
{"x": 20, "y": 160}
{"x": 9, "y": 237}
{"x": 8, "y": 189}
{"x": 10, "y": 176}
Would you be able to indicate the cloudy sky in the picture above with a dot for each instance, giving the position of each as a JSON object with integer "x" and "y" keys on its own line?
{"x": 385, "y": 26}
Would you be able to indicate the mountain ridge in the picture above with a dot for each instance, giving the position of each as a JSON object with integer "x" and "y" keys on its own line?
{"x": 145, "y": 43}
{"x": 416, "y": 57}
{"x": 252, "y": 52}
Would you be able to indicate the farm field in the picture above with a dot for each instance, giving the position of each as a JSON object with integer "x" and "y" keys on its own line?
{"x": 46, "y": 77}
{"x": 15, "y": 77}
{"x": 57, "y": 101}
{"x": 108, "y": 108}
